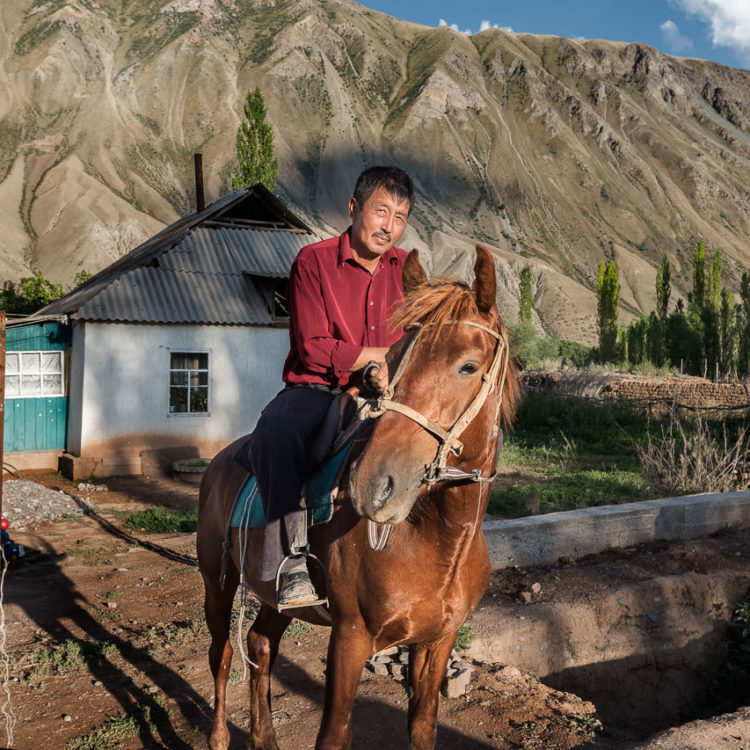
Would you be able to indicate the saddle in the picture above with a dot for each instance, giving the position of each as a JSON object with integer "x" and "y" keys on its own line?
{"x": 340, "y": 431}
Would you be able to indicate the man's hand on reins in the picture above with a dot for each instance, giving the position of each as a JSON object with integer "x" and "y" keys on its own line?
{"x": 375, "y": 377}
{"x": 374, "y": 368}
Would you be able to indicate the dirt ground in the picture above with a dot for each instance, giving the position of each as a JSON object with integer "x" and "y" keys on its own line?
{"x": 128, "y": 607}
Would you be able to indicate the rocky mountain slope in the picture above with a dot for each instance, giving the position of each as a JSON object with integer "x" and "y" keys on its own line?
{"x": 555, "y": 153}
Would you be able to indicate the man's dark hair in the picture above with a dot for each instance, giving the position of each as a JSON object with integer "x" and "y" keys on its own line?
{"x": 393, "y": 180}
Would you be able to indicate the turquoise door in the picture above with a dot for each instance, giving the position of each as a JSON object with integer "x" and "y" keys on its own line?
{"x": 36, "y": 404}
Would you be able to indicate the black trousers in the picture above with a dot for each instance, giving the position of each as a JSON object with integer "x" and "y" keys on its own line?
{"x": 283, "y": 456}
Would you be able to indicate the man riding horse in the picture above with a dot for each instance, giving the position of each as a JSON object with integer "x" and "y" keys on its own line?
{"x": 341, "y": 294}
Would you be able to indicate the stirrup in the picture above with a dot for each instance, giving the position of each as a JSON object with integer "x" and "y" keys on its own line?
{"x": 312, "y": 603}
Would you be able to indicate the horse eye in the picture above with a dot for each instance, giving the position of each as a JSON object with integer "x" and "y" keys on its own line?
{"x": 468, "y": 368}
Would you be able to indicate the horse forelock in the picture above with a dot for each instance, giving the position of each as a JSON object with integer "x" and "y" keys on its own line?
{"x": 441, "y": 301}
{"x": 435, "y": 303}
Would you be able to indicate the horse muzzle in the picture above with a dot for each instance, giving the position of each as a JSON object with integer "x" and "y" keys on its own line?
{"x": 382, "y": 496}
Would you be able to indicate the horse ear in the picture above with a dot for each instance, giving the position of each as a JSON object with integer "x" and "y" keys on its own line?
{"x": 413, "y": 274}
{"x": 485, "y": 285}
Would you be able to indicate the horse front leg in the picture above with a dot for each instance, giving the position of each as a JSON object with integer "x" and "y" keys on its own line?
{"x": 348, "y": 649}
{"x": 218, "y": 610}
{"x": 262, "y": 648}
{"x": 427, "y": 663}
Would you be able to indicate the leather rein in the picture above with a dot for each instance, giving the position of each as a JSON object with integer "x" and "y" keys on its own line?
{"x": 448, "y": 440}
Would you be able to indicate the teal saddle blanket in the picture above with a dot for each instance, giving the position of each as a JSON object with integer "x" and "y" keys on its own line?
{"x": 248, "y": 507}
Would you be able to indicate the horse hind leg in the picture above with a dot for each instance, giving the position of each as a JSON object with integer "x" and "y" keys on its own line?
{"x": 218, "y": 610}
{"x": 427, "y": 663}
{"x": 262, "y": 648}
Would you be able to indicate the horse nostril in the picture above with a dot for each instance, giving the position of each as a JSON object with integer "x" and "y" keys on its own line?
{"x": 386, "y": 490}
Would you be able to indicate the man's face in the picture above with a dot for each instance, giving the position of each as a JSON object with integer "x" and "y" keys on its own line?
{"x": 377, "y": 225}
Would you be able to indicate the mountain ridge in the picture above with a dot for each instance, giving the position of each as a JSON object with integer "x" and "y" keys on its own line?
{"x": 555, "y": 153}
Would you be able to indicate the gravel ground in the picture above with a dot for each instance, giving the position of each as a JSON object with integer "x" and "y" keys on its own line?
{"x": 26, "y": 503}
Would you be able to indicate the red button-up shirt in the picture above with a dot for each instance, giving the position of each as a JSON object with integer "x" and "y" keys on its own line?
{"x": 336, "y": 307}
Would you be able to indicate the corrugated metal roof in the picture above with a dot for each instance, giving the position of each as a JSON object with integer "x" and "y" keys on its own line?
{"x": 158, "y": 295}
{"x": 197, "y": 270}
{"x": 222, "y": 249}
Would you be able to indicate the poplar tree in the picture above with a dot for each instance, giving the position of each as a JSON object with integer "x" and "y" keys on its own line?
{"x": 525, "y": 303}
{"x": 255, "y": 146}
{"x": 663, "y": 288}
{"x": 714, "y": 282}
{"x": 607, "y": 301}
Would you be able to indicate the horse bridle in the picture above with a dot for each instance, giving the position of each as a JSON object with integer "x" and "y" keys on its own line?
{"x": 448, "y": 440}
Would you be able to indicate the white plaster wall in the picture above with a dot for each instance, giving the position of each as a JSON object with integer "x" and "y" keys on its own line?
{"x": 123, "y": 383}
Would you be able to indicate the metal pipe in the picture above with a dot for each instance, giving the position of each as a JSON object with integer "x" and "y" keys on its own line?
{"x": 200, "y": 201}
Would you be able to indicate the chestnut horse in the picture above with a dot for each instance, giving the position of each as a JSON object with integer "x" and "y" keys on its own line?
{"x": 453, "y": 378}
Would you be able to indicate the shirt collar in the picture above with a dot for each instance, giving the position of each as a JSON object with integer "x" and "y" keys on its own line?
{"x": 345, "y": 251}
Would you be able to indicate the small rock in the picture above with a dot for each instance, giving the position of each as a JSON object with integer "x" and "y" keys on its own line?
{"x": 525, "y": 597}
{"x": 510, "y": 673}
{"x": 97, "y": 683}
{"x": 380, "y": 668}
{"x": 535, "y": 588}
{"x": 112, "y": 605}
{"x": 456, "y": 685}
{"x": 153, "y": 689}
{"x": 67, "y": 717}
{"x": 397, "y": 671}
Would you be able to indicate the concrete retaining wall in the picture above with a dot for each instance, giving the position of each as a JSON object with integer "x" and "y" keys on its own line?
{"x": 543, "y": 540}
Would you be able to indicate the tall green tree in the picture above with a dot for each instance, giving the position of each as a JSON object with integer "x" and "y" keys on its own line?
{"x": 714, "y": 283}
{"x": 728, "y": 333}
{"x": 525, "y": 303}
{"x": 663, "y": 288}
{"x": 607, "y": 302}
{"x": 255, "y": 146}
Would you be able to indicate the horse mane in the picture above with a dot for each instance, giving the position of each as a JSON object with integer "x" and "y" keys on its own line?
{"x": 441, "y": 300}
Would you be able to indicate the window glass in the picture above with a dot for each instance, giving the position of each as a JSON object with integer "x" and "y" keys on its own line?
{"x": 34, "y": 374}
{"x": 188, "y": 383}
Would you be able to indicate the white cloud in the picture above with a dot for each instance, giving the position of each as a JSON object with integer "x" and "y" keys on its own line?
{"x": 482, "y": 27}
{"x": 454, "y": 26}
{"x": 729, "y": 21}
{"x": 675, "y": 40}
{"x": 489, "y": 25}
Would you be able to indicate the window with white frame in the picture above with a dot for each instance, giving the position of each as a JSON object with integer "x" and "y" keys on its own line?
{"x": 188, "y": 382}
{"x": 34, "y": 374}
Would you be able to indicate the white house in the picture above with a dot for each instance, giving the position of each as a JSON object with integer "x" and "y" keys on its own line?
{"x": 176, "y": 347}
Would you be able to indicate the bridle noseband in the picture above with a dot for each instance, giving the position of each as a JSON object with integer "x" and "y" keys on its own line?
{"x": 448, "y": 440}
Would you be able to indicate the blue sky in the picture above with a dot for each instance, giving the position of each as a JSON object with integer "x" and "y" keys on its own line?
{"x": 716, "y": 30}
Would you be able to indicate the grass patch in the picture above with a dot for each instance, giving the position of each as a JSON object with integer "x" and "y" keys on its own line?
{"x": 171, "y": 635}
{"x": 159, "y": 521}
{"x": 297, "y": 628}
{"x": 117, "y": 730}
{"x": 573, "y": 453}
{"x": 66, "y": 657}
{"x": 464, "y": 637}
